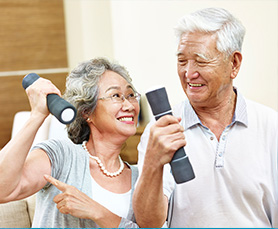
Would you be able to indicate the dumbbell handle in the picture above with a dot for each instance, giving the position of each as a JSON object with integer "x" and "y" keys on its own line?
{"x": 60, "y": 108}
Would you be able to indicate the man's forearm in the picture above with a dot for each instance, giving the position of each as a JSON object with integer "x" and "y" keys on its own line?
{"x": 149, "y": 202}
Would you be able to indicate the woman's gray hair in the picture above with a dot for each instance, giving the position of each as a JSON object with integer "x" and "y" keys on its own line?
{"x": 229, "y": 30}
{"x": 82, "y": 92}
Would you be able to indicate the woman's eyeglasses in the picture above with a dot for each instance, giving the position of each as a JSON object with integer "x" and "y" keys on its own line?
{"x": 119, "y": 98}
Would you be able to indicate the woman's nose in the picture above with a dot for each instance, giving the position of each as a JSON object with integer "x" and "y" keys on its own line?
{"x": 127, "y": 105}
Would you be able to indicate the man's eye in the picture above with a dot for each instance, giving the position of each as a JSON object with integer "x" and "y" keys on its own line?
{"x": 182, "y": 61}
{"x": 201, "y": 62}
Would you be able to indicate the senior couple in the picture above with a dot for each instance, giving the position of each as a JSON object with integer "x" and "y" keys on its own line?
{"x": 231, "y": 143}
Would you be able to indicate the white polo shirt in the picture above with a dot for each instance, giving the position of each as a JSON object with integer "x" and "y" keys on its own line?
{"x": 236, "y": 182}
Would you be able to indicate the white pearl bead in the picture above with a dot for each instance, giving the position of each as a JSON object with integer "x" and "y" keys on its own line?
{"x": 102, "y": 167}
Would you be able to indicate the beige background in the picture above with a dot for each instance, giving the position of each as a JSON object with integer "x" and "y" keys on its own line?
{"x": 51, "y": 37}
{"x": 139, "y": 34}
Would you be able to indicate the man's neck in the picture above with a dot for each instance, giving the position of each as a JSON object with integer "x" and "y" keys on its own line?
{"x": 219, "y": 116}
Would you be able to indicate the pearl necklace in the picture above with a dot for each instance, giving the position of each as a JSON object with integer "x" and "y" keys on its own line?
{"x": 101, "y": 166}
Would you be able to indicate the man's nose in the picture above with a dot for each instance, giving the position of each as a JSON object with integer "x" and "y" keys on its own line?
{"x": 191, "y": 70}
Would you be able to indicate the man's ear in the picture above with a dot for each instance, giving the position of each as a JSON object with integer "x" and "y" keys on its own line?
{"x": 236, "y": 63}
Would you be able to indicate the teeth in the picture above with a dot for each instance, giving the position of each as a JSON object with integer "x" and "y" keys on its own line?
{"x": 195, "y": 85}
{"x": 126, "y": 119}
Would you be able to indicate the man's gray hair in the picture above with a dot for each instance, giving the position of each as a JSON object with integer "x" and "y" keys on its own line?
{"x": 229, "y": 30}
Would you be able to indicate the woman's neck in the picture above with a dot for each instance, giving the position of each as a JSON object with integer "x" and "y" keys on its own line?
{"x": 105, "y": 149}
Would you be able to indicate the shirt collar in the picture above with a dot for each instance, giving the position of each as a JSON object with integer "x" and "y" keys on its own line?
{"x": 240, "y": 114}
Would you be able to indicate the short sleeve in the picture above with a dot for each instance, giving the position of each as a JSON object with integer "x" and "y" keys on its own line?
{"x": 55, "y": 151}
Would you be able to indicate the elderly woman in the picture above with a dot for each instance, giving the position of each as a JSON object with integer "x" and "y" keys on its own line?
{"x": 82, "y": 182}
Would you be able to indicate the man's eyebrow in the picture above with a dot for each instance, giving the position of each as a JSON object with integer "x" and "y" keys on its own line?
{"x": 197, "y": 54}
{"x": 202, "y": 56}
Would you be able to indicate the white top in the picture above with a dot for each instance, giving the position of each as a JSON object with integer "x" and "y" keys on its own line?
{"x": 114, "y": 202}
{"x": 236, "y": 177}
{"x": 70, "y": 164}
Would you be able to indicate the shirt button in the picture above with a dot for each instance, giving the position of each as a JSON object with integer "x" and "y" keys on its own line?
{"x": 211, "y": 138}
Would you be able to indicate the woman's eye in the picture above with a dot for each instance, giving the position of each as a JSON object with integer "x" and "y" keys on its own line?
{"x": 116, "y": 95}
{"x": 131, "y": 95}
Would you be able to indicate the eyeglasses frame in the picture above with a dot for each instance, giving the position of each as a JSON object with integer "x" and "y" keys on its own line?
{"x": 137, "y": 96}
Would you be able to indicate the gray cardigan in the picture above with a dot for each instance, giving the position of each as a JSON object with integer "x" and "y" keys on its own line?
{"x": 70, "y": 164}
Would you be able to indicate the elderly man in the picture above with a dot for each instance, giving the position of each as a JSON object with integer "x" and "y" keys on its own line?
{"x": 231, "y": 141}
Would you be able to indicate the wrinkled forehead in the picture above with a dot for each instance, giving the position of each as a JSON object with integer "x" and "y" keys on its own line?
{"x": 113, "y": 81}
{"x": 199, "y": 44}
{"x": 119, "y": 89}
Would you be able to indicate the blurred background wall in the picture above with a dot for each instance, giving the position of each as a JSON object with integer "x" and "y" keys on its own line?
{"x": 139, "y": 34}
{"x": 32, "y": 39}
{"x": 52, "y": 37}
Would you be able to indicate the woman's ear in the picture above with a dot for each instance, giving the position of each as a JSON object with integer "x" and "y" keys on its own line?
{"x": 236, "y": 63}
{"x": 86, "y": 116}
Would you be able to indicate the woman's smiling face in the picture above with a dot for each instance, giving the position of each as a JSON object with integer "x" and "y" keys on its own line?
{"x": 115, "y": 117}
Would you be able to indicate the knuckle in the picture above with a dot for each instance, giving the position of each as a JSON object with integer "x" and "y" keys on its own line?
{"x": 70, "y": 194}
{"x": 161, "y": 140}
{"x": 178, "y": 128}
{"x": 168, "y": 148}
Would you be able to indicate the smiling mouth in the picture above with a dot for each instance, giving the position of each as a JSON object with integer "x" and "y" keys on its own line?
{"x": 126, "y": 119}
{"x": 195, "y": 84}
